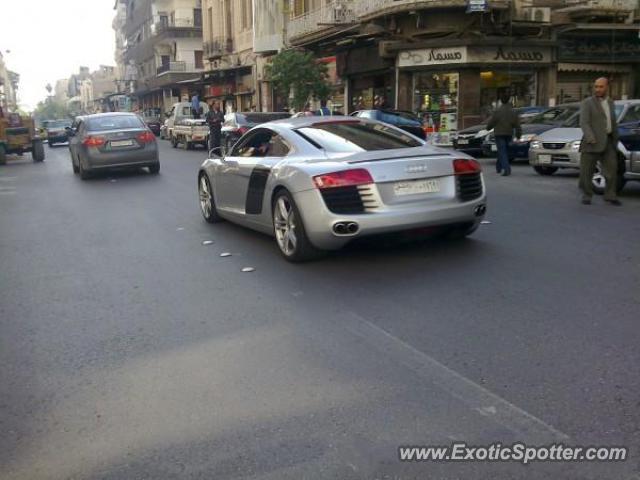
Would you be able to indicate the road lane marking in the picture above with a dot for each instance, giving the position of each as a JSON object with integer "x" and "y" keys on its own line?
{"x": 484, "y": 402}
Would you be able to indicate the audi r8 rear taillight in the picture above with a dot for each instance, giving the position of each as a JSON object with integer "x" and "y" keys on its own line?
{"x": 462, "y": 166}
{"x": 344, "y": 178}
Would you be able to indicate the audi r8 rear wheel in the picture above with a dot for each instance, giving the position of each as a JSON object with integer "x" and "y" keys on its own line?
{"x": 207, "y": 202}
{"x": 288, "y": 228}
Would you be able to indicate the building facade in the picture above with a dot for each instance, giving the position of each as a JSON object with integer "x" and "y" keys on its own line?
{"x": 8, "y": 87}
{"x": 231, "y": 62}
{"x": 161, "y": 56}
{"x": 448, "y": 61}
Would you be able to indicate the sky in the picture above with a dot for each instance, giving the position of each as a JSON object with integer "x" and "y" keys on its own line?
{"x": 49, "y": 40}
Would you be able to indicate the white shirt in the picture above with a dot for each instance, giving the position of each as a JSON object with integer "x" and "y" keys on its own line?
{"x": 604, "y": 101}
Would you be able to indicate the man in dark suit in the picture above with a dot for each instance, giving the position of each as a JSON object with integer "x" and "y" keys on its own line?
{"x": 599, "y": 142}
{"x": 505, "y": 123}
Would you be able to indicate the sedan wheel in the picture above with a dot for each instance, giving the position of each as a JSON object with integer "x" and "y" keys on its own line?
{"x": 207, "y": 203}
{"x": 289, "y": 230}
{"x": 600, "y": 183}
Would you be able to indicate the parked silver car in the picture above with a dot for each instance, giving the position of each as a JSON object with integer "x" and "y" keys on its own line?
{"x": 560, "y": 148}
{"x": 111, "y": 140}
{"x": 317, "y": 183}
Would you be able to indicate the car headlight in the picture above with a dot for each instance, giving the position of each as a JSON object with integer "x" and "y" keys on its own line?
{"x": 482, "y": 133}
{"x": 525, "y": 138}
{"x": 536, "y": 144}
{"x": 575, "y": 146}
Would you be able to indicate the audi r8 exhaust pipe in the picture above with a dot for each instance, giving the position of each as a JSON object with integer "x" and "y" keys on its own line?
{"x": 480, "y": 210}
{"x": 345, "y": 228}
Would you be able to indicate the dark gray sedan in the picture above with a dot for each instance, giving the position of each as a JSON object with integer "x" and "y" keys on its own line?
{"x": 111, "y": 140}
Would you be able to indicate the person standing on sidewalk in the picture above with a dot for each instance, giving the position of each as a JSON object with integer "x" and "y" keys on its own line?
{"x": 504, "y": 123}
{"x": 215, "y": 119}
{"x": 599, "y": 142}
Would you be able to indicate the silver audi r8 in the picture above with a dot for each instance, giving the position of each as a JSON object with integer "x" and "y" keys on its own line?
{"x": 318, "y": 183}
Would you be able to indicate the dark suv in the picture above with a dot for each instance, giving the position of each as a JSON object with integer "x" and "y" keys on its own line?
{"x": 407, "y": 121}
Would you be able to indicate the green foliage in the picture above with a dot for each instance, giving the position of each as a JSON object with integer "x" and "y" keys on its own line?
{"x": 50, "y": 109}
{"x": 299, "y": 73}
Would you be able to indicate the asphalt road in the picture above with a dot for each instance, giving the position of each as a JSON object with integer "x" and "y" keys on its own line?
{"x": 130, "y": 350}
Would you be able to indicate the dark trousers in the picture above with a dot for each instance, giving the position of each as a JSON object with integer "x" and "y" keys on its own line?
{"x": 502, "y": 145}
{"x": 609, "y": 165}
{"x": 214, "y": 137}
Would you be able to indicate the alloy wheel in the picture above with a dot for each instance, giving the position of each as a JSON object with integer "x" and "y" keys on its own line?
{"x": 205, "y": 197}
{"x": 284, "y": 221}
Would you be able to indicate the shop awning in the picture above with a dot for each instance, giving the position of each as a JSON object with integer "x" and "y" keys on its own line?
{"x": 593, "y": 67}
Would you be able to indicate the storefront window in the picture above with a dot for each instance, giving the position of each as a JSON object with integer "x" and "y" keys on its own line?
{"x": 520, "y": 85}
{"x": 435, "y": 100}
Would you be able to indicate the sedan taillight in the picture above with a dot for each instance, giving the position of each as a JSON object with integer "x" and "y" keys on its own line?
{"x": 463, "y": 166}
{"x": 92, "y": 141}
{"x": 345, "y": 178}
{"x": 146, "y": 137}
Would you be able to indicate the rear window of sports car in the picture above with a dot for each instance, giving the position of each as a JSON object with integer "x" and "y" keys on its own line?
{"x": 347, "y": 137}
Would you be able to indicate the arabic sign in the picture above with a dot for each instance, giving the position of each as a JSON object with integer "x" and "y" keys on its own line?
{"x": 599, "y": 49}
{"x": 463, "y": 54}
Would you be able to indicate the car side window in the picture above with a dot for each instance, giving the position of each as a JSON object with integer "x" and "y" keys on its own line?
{"x": 278, "y": 147}
{"x": 254, "y": 144}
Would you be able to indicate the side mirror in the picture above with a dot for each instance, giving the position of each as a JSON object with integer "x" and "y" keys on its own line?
{"x": 70, "y": 131}
{"x": 215, "y": 152}
{"x": 167, "y": 114}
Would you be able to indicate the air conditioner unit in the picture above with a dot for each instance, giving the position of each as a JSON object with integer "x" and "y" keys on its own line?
{"x": 536, "y": 14}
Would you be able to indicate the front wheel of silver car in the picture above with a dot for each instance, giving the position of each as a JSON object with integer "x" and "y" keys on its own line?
{"x": 599, "y": 182}
{"x": 289, "y": 231}
{"x": 207, "y": 202}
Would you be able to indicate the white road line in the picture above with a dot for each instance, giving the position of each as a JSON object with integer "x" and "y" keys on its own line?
{"x": 528, "y": 427}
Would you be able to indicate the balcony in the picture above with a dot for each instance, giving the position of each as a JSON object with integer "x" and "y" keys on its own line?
{"x": 178, "y": 67}
{"x": 331, "y": 15}
{"x": 610, "y": 9}
{"x": 369, "y": 9}
{"x": 218, "y": 48}
{"x": 178, "y": 27}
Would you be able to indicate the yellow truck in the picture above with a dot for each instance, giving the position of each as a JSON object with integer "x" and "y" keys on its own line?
{"x": 18, "y": 135}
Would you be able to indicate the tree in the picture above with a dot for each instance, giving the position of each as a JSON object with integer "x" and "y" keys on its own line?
{"x": 296, "y": 72}
{"x": 50, "y": 109}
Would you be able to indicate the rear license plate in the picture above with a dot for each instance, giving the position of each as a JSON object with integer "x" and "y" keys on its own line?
{"x": 494, "y": 148}
{"x": 544, "y": 159}
{"x": 462, "y": 141}
{"x": 121, "y": 143}
{"x": 416, "y": 186}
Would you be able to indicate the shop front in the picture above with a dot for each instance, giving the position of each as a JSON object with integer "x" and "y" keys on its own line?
{"x": 232, "y": 87}
{"x": 584, "y": 57}
{"x": 369, "y": 77}
{"x": 457, "y": 87}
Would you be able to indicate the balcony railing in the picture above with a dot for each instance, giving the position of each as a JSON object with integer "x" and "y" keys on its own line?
{"x": 332, "y": 14}
{"x": 178, "y": 67}
{"x": 168, "y": 24}
{"x": 619, "y": 5}
{"x": 366, "y": 9}
{"x": 217, "y": 48}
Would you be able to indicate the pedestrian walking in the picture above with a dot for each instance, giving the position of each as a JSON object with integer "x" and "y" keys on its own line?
{"x": 599, "y": 142}
{"x": 215, "y": 119}
{"x": 505, "y": 123}
{"x": 324, "y": 110}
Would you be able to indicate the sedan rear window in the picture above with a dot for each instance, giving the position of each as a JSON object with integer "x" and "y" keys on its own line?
{"x": 353, "y": 136}
{"x": 114, "y": 122}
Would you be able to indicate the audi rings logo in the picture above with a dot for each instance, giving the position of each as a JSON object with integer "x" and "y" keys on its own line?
{"x": 416, "y": 168}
